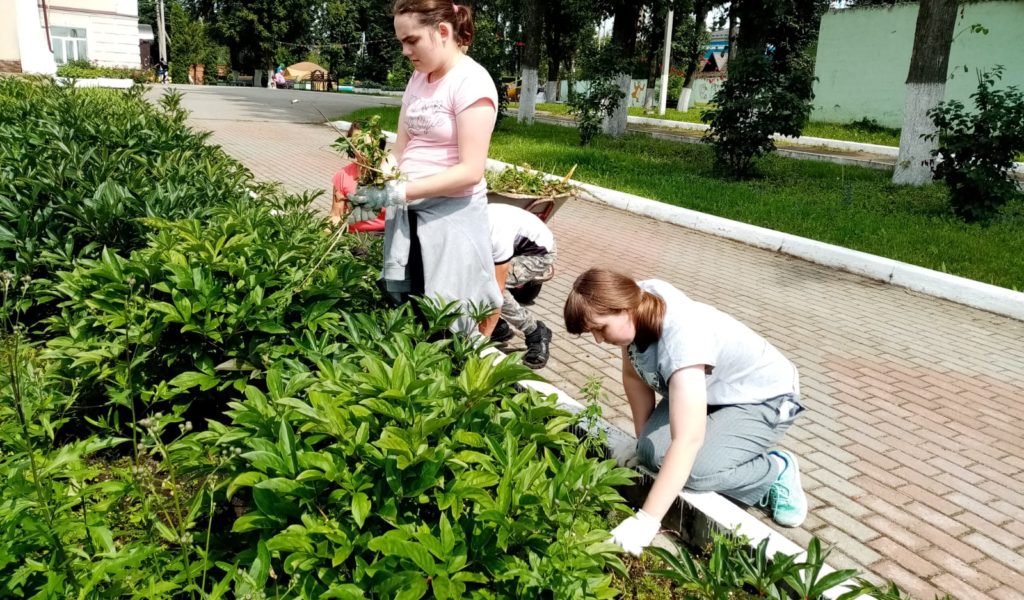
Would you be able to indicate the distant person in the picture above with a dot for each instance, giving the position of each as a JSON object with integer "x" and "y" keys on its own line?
{"x": 524, "y": 253}
{"x": 728, "y": 396}
{"x": 444, "y": 131}
{"x": 279, "y": 80}
{"x": 161, "y": 71}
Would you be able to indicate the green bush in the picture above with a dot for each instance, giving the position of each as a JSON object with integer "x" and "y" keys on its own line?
{"x": 759, "y": 98}
{"x": 80, "y": 168}
{"x": 240, "y": 287}
{"x": 78, "y": 70}
{"x": 219, "y": 406}
{"x": 977, "y": 148}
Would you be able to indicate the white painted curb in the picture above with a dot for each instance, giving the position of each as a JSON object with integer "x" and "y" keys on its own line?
{"x": 804, "y": 140}
{"x": 972, "y": 293}
{"x": 1001, "y": 301}
{"x": 103, "y": 82}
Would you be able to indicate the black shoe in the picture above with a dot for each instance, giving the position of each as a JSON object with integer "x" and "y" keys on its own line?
{"x": 538, "y": 347}
{"x": 502, "y": 332}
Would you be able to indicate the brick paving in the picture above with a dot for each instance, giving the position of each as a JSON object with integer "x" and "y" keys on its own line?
{"x": 912, "y": 448}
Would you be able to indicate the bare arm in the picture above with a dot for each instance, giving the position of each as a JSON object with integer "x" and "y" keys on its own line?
{"x": 639, "y": 395}
{"x": 475, "y": 125}
{"x": 401, "y": 138}
{"x": 501, "y": 274}
{"x": 687, "y": 418}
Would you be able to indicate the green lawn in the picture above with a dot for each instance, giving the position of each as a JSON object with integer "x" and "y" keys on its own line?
{"x": 849, "y": 206}
{"x": 865, "y": 133}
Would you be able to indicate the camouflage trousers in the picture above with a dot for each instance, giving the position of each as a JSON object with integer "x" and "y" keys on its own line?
{"x": 523, "y": 270}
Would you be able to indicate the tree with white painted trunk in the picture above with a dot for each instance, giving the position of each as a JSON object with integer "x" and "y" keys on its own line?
{"x": 695, "y": 43}
{"x": 926, "y": 88}
{"x": 624, "y": 33}
{"x": 531, "y": 59}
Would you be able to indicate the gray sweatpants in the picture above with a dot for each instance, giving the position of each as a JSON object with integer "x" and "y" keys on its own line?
{"x": 734, "y": 459}
{"x": 523, "y": 270}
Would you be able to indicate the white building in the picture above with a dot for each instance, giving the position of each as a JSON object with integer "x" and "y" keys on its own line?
{"x": 37, "y": 35}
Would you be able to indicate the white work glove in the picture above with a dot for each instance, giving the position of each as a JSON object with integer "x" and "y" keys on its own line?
{"x": 624, "y": 452}
{"x": 636, "y": 533}
{"x": 376, "y": 198}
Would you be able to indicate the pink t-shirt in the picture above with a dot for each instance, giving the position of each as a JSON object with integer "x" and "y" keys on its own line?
{"x": 430, "y": 110}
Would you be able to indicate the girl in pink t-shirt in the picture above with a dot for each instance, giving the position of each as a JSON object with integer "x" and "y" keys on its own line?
{"x": 444, "y": 132}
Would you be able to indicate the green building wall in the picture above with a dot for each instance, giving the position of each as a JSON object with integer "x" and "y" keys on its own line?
{"x": 864, "y": 55}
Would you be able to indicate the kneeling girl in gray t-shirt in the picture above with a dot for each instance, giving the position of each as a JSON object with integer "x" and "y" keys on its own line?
{"x": 728, "y": 397}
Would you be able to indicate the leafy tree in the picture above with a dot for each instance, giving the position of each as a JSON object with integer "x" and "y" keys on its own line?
{"x": 190, "y": 43}
{"x": 693, "y": 49}
{"x": 493, "y": 45}
{"x": 770, "y": 84}
{"x": 568, "y": 26}
{"x": 624, "y": 36}
{"x": 532, "y": 30}
{"x": 259, "y": 32}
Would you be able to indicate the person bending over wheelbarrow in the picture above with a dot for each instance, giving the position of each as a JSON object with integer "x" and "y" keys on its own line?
{"x": 524, "y": 258}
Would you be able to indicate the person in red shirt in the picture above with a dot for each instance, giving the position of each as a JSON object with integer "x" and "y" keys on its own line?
{"x": 345, "y": 182}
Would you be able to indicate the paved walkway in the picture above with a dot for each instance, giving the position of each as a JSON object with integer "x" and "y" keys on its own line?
{"x": 913, "y": 450}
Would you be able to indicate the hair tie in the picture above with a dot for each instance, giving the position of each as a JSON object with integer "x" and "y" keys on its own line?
{"x": 455, "y": 7}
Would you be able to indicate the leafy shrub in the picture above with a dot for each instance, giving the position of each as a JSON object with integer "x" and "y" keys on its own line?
{"x": 757, "y": 100}
{"x": 592, "y": 106}
{"x": 978, "y": 147}
{"x": 382, "y": 473}
{"x": 526, "y": 181}
{"x": 602, "y": 96}
{"x": 75, "y": 70}
{"x": 203, "y": 305}
{"x": 79, "y": 168}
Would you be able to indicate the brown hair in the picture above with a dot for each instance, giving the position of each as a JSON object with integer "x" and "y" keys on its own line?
{"x": 599, "y": 292}
{"x": 433, "y": 12}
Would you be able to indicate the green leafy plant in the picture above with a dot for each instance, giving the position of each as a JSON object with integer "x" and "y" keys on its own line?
{"x": 366, "y": 147}
{"x": 806, "y": 579}
{"x": 83, "y": 69}
{"x": 602, "y": 95}
{"x": 731, "y": 568}
{"x": 208, "y": 303}
{"x": 977, "y": 148}
{"x": 83, "y": 167}
{"x": 524, "y": 180}
{"x": 757, "y": 100}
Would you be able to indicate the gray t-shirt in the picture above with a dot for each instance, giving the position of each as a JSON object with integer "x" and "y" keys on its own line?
{"x": 742, "y": 367}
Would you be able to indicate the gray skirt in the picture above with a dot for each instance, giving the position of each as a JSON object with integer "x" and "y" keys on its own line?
{"x": 455, "y": 253}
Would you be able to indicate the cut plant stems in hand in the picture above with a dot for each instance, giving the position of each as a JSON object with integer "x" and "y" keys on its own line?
{"x": 366, "y": 147}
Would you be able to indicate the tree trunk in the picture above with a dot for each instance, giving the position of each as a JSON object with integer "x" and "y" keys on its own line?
{"x": 553, "y": 37}
{"x": 926, "y": 87}
{"x": 694, "y": 53}
{"x": 624, "y": 30}
{"x": 531, "y": 60}
{"x": 653, "y": 49}
{"x": 734, "y": 10}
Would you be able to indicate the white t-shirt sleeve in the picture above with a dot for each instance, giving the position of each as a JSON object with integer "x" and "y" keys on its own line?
{"x": 684, "y": 342}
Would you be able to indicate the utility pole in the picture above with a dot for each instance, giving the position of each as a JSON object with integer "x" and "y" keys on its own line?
{"x": 161, "y": 29}
{"x": 664, "y": 63}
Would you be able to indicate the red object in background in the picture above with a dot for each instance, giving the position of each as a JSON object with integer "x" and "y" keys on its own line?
{"x": 344, "y": 182}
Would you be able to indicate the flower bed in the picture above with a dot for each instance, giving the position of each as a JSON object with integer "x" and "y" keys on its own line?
{"x": 203, "y": 394}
